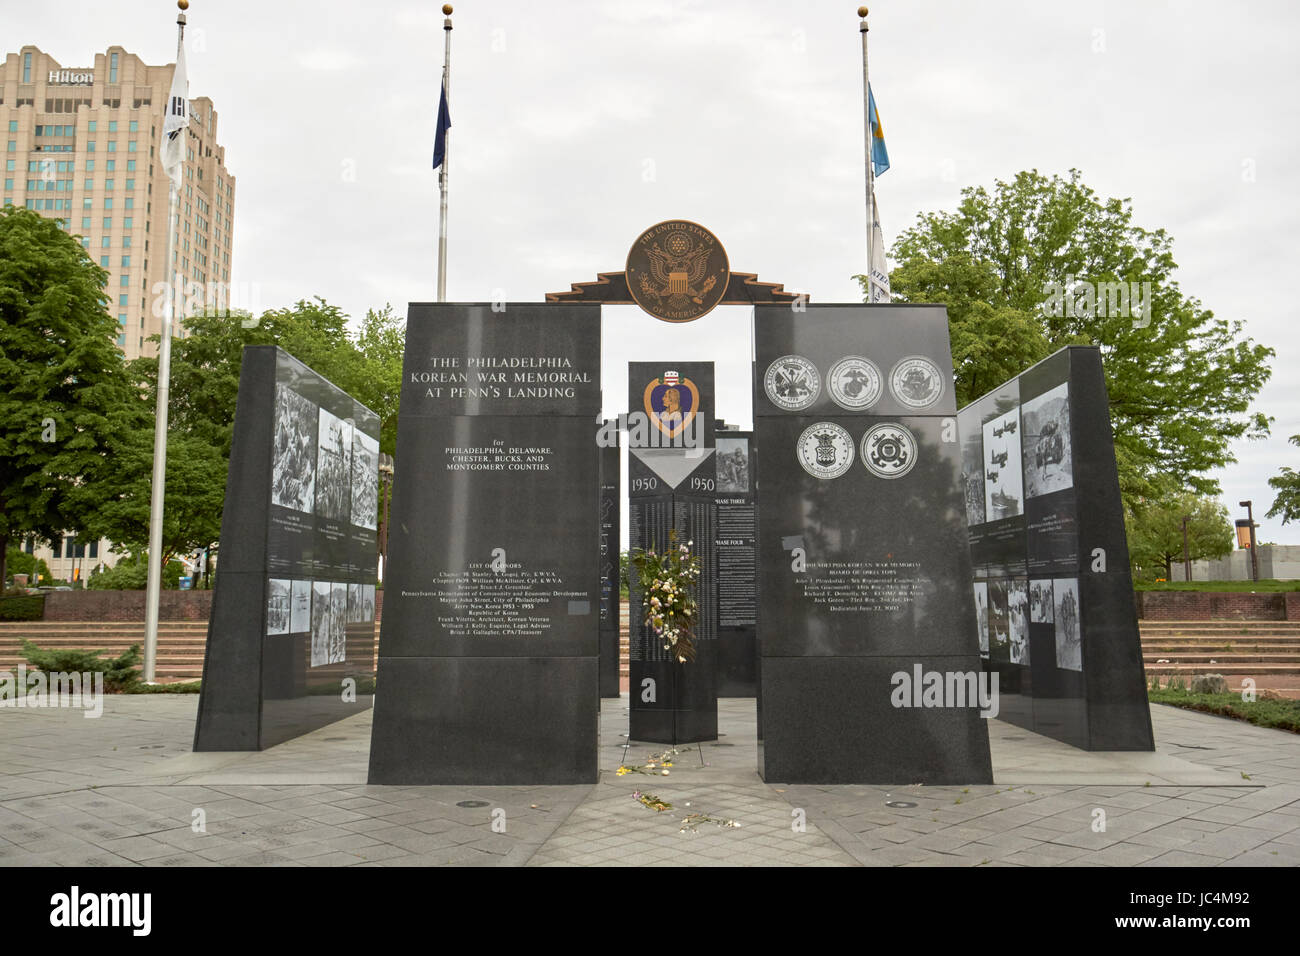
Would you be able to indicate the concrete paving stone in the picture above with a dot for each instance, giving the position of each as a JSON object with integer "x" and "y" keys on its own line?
{"x": 1182, "y": 858}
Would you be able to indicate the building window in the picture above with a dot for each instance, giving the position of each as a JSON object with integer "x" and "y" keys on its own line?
{"x": 108, "y": 223}
{"x": 91, "y": 126}
{"x": 125, "y": 280}
{"x": 112, "y": 69}
{"x": 85, "y": 222}
{"x": 112, "y": 126}
{"x": 86, "y": 203}
{"x": 128, "y": 222}
{"x": 13, "y": 146}
{"x": 90, "y": 146}
{"x": 135, "y": 126}
{"x": 85, "y": 243}
{"x": 122, "y": 299}
{"x": 110, "y": 165}
{"x": 27, "y": 67}
{"x": 103, "y": 262}
{"x": 121, "y": 318}
{"x": 105, "y": 243}
{"x": 90, "y": 165}
{"x": 108, "y": 204}
{"x": 130, "y": 184}
{"x": 130, "y": 202}
{"x": 13, "y": 126}
{"x": 121, "y": 339}
{"x": 126, "y": 262}
{"x": 130, "y": 147}
{"x": 112, "y": 146}
{"x": 130, "y": 165}
{"x": 126, "y": 242}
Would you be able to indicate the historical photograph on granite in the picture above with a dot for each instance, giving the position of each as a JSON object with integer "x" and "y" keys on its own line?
{"x": 333, "y": 467}
{"x": 361, "y": 603}
{"x": 300, "y": 607}
{"x": 1040, "y": 601}
{"x": 999, "y": 621}
{"x": 293, "y": 465}
{"x": 329, "y": 609}
{"x": 972, "y": 477}
{"x": 732, "y": 455}
{"x": 982, "y": 615}
{"x": 1069, "y": 634}
{"x": 277, "y": 606}
{"x": 1046, "y": 442}
{"x": 1003, "y": 485}
{"x": 1018, "y": 619}
{"x": 365, "y": 480}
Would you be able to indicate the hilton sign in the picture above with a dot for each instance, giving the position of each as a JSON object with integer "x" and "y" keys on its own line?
{"x": 72, "y": 77}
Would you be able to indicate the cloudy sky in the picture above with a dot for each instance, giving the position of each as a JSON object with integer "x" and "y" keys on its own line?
{"x": 577, "y": 124}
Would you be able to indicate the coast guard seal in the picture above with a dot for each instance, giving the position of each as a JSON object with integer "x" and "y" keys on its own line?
{"x": 889, "y": 450}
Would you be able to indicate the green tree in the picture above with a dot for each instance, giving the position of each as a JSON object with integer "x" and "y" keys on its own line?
{"x": 18, "y": 561}
{"x": 1287, "y": 485}
{"x": 132, "y": 574}
{"x": 1180, "y": 380}
{"x": 1155, "y": 532}
{"x": 66, "y": 401}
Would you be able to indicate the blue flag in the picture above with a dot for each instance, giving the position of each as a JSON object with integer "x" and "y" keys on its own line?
{"x": 444, "y": 124}
{"x": 879, "y": 155}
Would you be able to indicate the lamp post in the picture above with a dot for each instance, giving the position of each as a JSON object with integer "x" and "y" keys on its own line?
{"x": 1187, "y": 560}
{"x": 1250, "y": 526}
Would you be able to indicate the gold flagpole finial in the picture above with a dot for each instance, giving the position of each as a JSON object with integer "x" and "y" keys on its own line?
{"x": 862, "y": 12}
{"x": 446, "y": 9}
{"x": 183, "y": 4}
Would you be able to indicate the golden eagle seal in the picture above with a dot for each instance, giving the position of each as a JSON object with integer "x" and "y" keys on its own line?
{"x": 677, "y": 271}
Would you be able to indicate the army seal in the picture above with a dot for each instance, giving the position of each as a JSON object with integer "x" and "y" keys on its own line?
{"x": 854, "y": 383}
{"x": 889, "y": 451}
{"x": 825, "y": 450}
{"x": 677, "y": 271}
{"x": 916, "y": 382}
{"x": 792, "y": 382}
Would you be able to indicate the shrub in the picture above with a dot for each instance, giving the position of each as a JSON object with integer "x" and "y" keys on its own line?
{"x": 132, "y": 574}
{"x": 28, "y": 607}
{"x": 120, "y": 674}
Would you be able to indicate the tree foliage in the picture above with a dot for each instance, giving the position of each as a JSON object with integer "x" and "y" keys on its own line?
{"x": 1181, "y": 381}
{"x": 1287, "y": 485}
{"x": 66, "y": 401}
{"x": 1155, "y": 532}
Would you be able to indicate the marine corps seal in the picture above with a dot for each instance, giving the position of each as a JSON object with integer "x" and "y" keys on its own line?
{"x": 677, "y": 271}
{"x": 825, "y": 450}
{"x": 854, "y": 382}
{"x": 889, "y": 451}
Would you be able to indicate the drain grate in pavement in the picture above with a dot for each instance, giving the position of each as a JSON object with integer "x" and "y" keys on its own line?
{"x": 899, "y": 804}
{"x": 471, "y": 804}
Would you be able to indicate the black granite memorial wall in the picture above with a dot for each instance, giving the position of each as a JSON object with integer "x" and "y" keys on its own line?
{"x": 291, "y": 639}
{"x": 869, "y": 667}
{"x": 610, "y": 503}
{"x": 1052, "y": 585}
{"x": 671, "y": 487}
{"x": 489, "y": 644}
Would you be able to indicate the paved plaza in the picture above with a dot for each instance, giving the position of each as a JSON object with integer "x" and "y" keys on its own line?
{"x": 125, "y": 789}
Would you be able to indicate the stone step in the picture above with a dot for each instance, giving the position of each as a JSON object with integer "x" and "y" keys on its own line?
{"x": 1224, "y": 660}
{"x": 1252, "y": 669}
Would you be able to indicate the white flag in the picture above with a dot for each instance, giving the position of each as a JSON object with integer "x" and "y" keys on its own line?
{"x": 176, "y": 121}
{"x": 878, "y": 269}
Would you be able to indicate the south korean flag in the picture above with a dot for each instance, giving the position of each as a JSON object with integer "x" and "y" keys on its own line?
{"x": 176, "y": 121}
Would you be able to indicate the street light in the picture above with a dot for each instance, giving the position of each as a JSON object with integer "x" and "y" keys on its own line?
{"x": 1249, "y": 528}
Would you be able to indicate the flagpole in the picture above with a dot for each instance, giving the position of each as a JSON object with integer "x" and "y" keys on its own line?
{"x": 442, "y": 170}
{"x": 156, "y": 496}
{"x": 866, "y": 114}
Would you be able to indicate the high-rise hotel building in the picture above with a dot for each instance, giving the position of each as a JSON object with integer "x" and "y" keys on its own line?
{"x": 83, "y": 145}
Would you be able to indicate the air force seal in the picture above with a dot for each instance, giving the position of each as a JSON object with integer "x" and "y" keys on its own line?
{"x": 889, "y": 451}
{"x": 825, "y": 450}
{"x": 916, "y": 382}
{"x": 792, "y": 382}
{"x": 854, "y": 383}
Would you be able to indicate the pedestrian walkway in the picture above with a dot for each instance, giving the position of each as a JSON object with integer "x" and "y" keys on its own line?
{"x": 125, "y": 789}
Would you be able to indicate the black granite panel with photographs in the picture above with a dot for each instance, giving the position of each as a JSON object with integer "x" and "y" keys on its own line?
{"x": 298, "y": 544}
{"x": 737, "y": 556}
{"x": 1042, "y": 493}
{"x": 493, "y": 589}
{"x": 863, "y": 573}
{"x": 671, "y": 484}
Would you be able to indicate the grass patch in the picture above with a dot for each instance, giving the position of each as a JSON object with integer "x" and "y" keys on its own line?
{"x": 1269, "y": 585}
{"x": 1276, "y": 712}
{"x": 179, "y": 687}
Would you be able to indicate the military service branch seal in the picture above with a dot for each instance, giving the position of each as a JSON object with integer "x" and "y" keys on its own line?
{"x": 889, "y": 450}
{"x": 825, "y": 450}
{"x": 916, "y": 382}
{"x": 854, "y": 383}
{"x": 792, "y": 382}
{"x": 677, "y": 271}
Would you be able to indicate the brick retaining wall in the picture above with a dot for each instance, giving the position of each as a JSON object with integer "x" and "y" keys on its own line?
{"x": 125, "y": 605}
{"x": 1217, "y": 606}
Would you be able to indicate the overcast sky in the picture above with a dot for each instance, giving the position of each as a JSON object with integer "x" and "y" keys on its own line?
{"x": 577, "y": 124}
